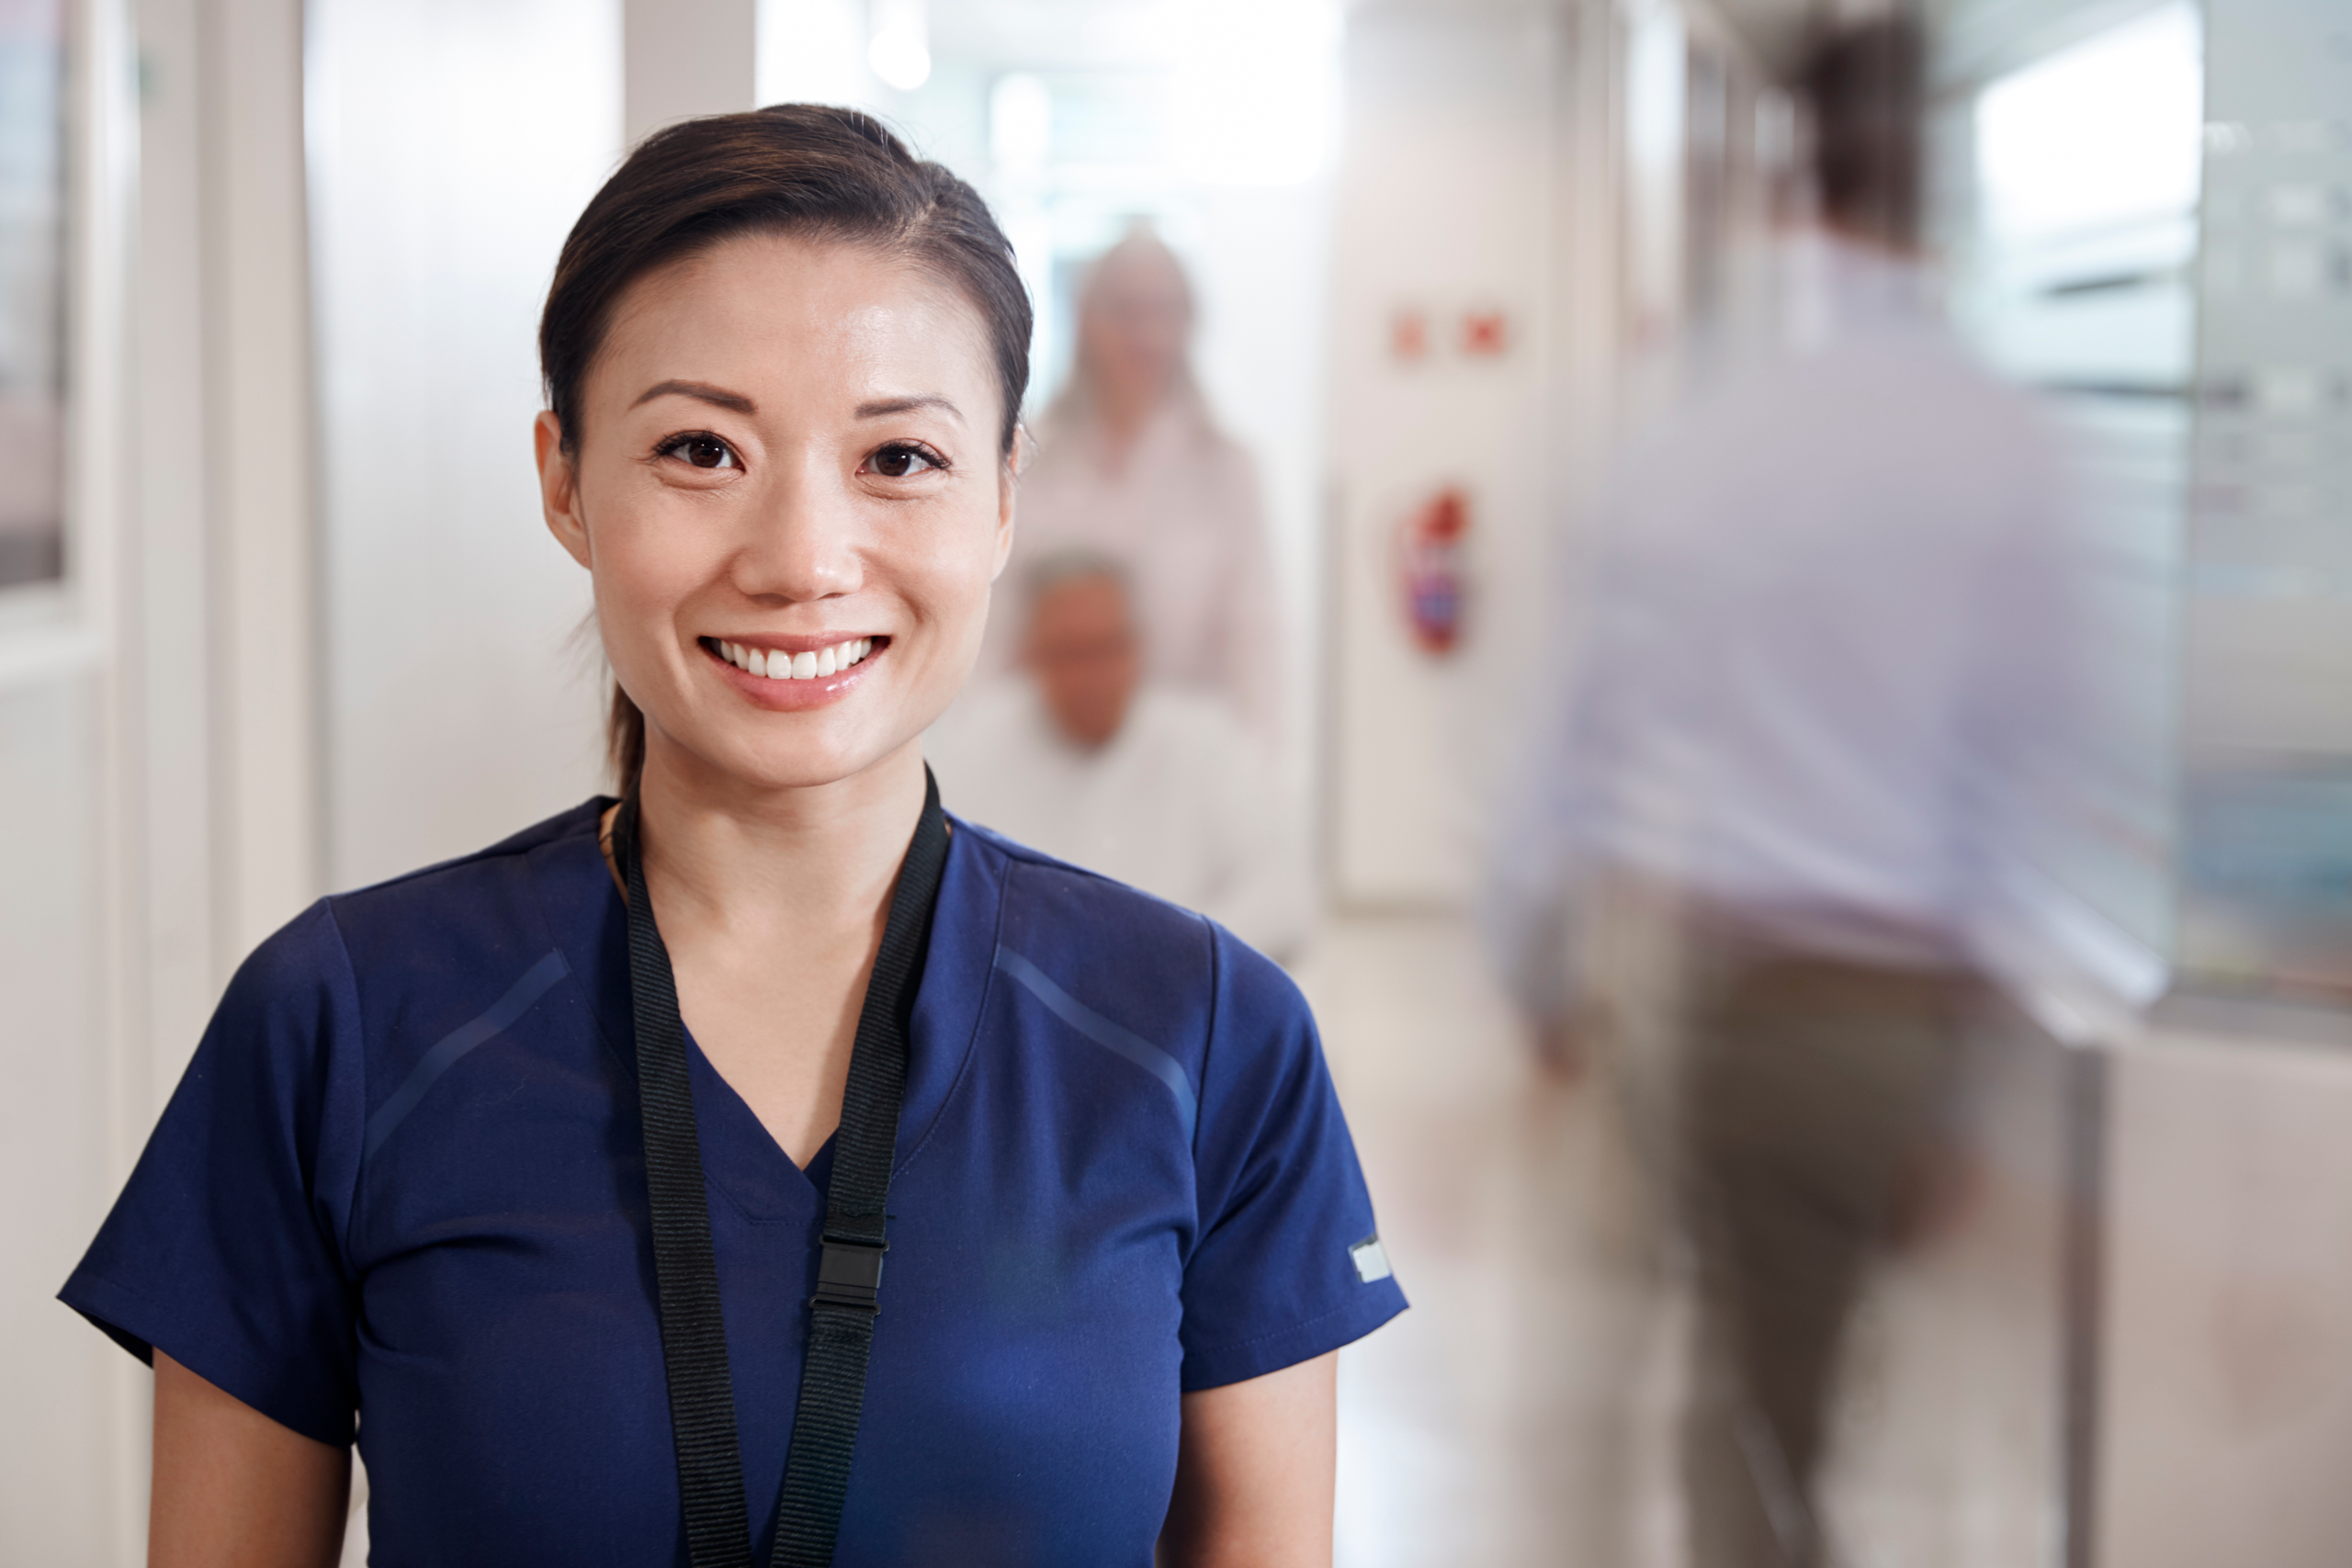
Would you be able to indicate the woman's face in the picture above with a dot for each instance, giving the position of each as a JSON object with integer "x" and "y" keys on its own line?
{"x": 1133, "y": 326}
{"x": 787, "y": 487}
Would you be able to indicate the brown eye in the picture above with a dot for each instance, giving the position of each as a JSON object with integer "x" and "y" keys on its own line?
{"x": 701, "y": 452}
{"x": 900, "y": 462}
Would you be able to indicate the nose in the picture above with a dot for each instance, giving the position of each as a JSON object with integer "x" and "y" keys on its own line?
{"x": 805, "y": 539}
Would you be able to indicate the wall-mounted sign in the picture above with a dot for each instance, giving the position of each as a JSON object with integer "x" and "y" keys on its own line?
{"x": 1408, "y": 334}
{"x": 1485, "y": 334}
{"x": 1418, "y": 334}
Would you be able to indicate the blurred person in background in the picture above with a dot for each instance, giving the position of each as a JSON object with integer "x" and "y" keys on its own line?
{"x": 1131, "y": 464}
{"x": 1821, "y": 704}
{"x": 1085, "y": 758}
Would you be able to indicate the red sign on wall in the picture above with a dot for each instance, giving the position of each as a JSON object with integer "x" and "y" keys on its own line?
{"x": 1408, "y": 334}
{"x": 1485, "y": 334}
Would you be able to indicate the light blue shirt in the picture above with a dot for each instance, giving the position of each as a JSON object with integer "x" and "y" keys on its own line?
{"x": 1827, "y": 651}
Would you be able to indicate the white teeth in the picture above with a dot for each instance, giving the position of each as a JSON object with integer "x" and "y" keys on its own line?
{"x": 775, "y": 664}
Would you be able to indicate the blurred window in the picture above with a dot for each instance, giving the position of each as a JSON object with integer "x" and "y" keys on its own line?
{"x": 32, "y": 268}
{"x": 2074, "y": 273}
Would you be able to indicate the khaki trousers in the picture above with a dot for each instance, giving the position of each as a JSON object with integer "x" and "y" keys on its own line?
{"x": 1809, "y": 1093}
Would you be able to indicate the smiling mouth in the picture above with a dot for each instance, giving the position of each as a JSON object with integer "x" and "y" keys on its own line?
{"x": 776, "y": 664}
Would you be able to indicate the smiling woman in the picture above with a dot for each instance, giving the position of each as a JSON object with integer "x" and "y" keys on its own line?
{"x": 577, "y": 1215}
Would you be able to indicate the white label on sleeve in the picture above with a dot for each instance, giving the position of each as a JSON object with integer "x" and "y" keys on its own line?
{"x": 1371, "y": 1262}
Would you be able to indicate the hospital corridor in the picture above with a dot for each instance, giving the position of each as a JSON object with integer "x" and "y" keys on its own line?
{"x": 1147, "y": 783}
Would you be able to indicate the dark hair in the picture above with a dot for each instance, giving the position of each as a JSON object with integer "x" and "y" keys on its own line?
{"x": 1864, "y": 85}
{"x": 808, "y": 169}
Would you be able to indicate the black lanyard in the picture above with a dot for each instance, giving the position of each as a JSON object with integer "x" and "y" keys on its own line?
{"x": 849, "y": 1276}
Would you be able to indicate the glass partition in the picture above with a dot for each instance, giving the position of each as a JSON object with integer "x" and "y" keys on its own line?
{"x": 2267, "y": 868}
{"x": 2075, "y": 256}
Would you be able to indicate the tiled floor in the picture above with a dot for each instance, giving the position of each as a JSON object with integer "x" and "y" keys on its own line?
{"x": 1524, "y": 1412}
{"x": 1521, "y": 1412}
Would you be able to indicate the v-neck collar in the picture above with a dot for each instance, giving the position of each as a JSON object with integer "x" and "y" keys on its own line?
{"x": 589, "y": 920}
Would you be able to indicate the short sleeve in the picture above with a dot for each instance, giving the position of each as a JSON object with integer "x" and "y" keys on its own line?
{"x": 226, "y": 1249}
{"x": 1287, "y": 1264}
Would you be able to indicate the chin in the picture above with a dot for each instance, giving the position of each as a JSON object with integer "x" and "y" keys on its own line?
{"x": 812, "y": 767}
{"x": 786, "y": 756}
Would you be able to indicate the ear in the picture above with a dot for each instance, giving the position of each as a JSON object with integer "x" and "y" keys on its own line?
{"x": 559, "y": 488}
{"x": 1007, "y": 489}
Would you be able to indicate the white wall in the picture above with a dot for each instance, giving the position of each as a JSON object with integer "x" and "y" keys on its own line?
{"x": 452, "y": 145}
{"x": 2228, "y": 1354}
{"x": 157, "y": 761}
{"x": 61, "y": 1440}
{"x": 1446, "y": 202}
{"x": 1260, "y": 260}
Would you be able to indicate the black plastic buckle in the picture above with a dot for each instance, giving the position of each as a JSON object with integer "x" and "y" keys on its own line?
{"x": 849, "y": 1274}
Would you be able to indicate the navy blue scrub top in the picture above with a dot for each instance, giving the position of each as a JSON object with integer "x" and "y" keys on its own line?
{"x": 404, "y": 1182}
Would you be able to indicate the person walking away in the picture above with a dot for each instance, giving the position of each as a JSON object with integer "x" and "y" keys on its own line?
{"x": 1821, "y": 712}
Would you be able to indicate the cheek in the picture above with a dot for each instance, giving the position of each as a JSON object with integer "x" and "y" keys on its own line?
{"x": 643, "y": 573}
{"x": 954, "y": 562}
{"x": 631, "y": 571}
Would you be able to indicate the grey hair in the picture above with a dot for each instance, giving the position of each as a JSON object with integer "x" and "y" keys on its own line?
{"x": 1071, "y": 564}
{"x": 1073, "y": 408}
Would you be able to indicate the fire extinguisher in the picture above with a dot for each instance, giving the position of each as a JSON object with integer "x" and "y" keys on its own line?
{"x": 1432, "y": 550}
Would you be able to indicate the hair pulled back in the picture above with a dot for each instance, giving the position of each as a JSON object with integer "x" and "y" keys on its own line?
{"x": 808, "y": 170}
{"x": 1865, "y": 86}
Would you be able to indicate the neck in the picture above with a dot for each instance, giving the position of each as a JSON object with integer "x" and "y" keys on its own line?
{"x": 1124, "y": 414}
{"x": 725, "y": 855}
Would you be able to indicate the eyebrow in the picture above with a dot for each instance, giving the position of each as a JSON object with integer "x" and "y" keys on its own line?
{"x": 881, "y": 406}
{"x": 734, "y": 402}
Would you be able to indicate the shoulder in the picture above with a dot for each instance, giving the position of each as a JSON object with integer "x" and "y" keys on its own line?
{"x": 580, "y": 822}
{"x": 1050, "y": 898}
{"x": 1196, "y": 717}
{"x": 444, "y": 919}
{"x": 1124, "y": 950}
{"x": 447, "y": 886}
{"x": 1085, "y": 917}
{"x": 1192, "y": 735}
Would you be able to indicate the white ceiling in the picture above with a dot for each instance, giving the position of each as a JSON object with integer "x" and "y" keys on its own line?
{"x": 1138, "y": 34}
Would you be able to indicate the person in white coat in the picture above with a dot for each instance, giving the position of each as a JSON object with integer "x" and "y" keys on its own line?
{"x": 1082, "y": 756}
{"x": 1131, "y": 465}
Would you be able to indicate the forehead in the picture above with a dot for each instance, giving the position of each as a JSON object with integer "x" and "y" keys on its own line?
{"x": 1088, "y": 597}
{"x": 777, "y": 310}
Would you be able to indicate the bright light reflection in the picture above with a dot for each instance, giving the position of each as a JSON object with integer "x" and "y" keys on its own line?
{"x": 2105, "y": 132}
{"x": 1020, "y": 123}
{"x": 900, "y": 50}
{"x": 1254, "y": 91}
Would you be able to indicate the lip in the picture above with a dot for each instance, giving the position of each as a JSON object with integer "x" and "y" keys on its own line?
{"x": 792, "y": 696}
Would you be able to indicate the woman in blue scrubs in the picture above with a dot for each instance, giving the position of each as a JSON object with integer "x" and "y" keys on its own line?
{"x": 560, "y": 1175}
